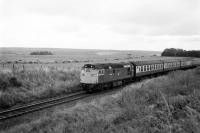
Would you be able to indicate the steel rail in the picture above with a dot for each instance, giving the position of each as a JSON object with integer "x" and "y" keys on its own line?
{"x": 14, "y": 112}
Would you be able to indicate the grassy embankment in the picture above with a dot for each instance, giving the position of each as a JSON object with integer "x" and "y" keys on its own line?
{"x": 165, "y": 104}
{"x": 18, "y": 87}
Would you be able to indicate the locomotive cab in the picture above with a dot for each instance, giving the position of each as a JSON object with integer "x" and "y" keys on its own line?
{"x": 102, "y": 76}
{"x": 89, "y": 75}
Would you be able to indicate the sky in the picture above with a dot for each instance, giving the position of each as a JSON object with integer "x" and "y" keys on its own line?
{"x": 101, "y": 24}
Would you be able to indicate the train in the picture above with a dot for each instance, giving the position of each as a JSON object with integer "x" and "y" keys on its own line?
{"x": 101, "y": 76}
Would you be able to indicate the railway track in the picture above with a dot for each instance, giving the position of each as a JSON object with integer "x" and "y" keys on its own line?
{"x": 39, "y": 105}
{"x": 47, "y": 103}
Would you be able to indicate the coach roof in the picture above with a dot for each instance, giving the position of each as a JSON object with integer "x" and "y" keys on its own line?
{"x": 138, "y": 63}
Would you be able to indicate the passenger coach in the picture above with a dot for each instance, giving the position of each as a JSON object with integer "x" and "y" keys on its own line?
{"x": 143, "y": 68}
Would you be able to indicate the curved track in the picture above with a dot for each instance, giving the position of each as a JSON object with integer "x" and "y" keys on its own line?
{"x": 36, "y": 106}
{"x": 39, "y": 105}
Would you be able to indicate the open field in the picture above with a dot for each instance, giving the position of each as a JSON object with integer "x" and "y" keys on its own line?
{"x": 165, "y": 104}
{"x": 65, "y": 59}
{"x": 22, "y": 55}
{"x": 25, "y": 77}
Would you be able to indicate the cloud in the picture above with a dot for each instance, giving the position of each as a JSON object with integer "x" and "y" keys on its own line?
{"x": 105, "y": 24}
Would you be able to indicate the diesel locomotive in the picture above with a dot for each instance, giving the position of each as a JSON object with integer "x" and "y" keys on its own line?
{"x": 100, "y": 76}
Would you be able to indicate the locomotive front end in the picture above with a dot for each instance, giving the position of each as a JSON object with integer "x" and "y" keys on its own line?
{"x": 89, "y": 77}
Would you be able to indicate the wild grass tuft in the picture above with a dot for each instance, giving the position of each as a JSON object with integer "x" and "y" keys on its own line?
{"x": 25, "y": 86}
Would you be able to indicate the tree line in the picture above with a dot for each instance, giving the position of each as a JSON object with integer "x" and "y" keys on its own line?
{"x": 41, "y": 53}
{"x": 180, "y": 53}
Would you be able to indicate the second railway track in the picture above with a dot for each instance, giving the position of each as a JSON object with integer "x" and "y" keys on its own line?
{"x": 36, "y": 106}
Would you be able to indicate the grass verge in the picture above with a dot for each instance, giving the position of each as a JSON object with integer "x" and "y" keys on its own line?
{"x": 167, "y": 104}
{"x": 24, "y": 86}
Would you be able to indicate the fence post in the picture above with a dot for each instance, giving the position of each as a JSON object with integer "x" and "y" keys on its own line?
{"x": 13, "y": 68}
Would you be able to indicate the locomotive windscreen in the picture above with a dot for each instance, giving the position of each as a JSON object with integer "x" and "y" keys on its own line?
{"x": 88, "y": 66}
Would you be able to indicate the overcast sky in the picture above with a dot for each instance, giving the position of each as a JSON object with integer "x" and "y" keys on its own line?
{"x": 101, "y": 24}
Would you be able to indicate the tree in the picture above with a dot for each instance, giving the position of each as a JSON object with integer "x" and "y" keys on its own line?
{"x": 180, "y": 53}
{"x": 41, "y": 53}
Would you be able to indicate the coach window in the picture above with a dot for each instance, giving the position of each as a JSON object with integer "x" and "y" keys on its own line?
{"x": 141, "y": 68}
{"x": 138, "y": 68}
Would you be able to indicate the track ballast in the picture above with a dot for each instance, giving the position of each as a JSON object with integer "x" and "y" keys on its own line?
{"x": 36, "y": 106}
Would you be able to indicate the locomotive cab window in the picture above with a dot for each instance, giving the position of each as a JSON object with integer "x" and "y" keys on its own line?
{"x": 129, "y": 71}
{"x": 113, "y": 70}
